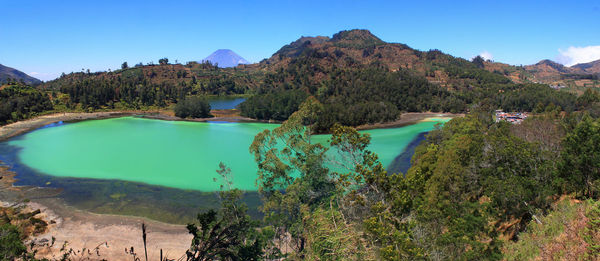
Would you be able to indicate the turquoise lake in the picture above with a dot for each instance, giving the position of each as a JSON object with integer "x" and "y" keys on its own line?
{"x": 174, "y": 154}
{"x": 164, "y": 170}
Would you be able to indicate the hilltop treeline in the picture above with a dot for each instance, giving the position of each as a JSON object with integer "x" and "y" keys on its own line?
{"x": 151, "y": 85}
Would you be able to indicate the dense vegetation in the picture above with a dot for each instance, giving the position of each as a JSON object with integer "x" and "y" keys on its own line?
{"x": 147, "y": 86}
{"x": 276, "y": 105}
{"x": 192, "y": 107}
{"x": 18, "y": 102}
{"x": 474, "y": 185}
{"x": 360, "y": 80}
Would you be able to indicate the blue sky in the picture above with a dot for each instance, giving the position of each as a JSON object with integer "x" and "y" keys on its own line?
{"x": 46, "y": 38}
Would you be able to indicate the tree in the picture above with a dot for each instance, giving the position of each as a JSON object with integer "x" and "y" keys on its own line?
{"x": 580, "y": 165}
{"x": 226, "y": 234}
{"x": 194, "y": 107}
{"x": 298, "y": 177}
{"x": 478, "y": 61}
{"x": 11, "y": 246}
{"x": 293, "y": 175}
{"x": 163, "y": 61}
{"x": 124, "y": 65}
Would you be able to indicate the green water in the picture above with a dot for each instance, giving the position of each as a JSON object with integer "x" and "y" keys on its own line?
{"x": 174, "y": 154}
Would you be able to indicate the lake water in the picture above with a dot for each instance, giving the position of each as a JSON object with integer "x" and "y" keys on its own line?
{"x": 224, "y": 103}
{"x": 131, "y": 165}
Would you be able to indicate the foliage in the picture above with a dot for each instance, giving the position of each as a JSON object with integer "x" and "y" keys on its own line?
{"x": 193, "y": 107}
{"x": 145, "y": 86}
{"x": 18, "y": 102}
{"x": 11, "y": 245}
{"x": 277, "y": 105}
{"x": 540, "y": 234}
{"x": 592, "y": 232}
{"x": 330, "y": 237}
{"x": 297, "y": 176}
{"x": 350, "y": 96}
{"x": 580, "y": 162}
{"x": 226, "y": 234}
{"x": 478, "y": 61}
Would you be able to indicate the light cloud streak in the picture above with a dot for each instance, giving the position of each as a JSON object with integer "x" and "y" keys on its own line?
{"x": 575, "y": 55}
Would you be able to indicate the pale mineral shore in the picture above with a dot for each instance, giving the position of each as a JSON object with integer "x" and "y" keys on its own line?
{"x": 83, "y": 229}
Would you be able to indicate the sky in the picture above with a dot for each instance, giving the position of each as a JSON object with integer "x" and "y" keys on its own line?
{"x": 47, "y": 38}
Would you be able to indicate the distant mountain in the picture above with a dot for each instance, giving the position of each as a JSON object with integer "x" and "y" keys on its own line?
{"x": 225, "y": 58}
{"x": 591, "y": 67}
{"x": 11, "y": 73}
{"x": 549, "y": 66}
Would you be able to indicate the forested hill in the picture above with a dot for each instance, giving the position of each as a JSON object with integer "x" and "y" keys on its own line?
{"x": 360, "y": 47}
{"x": 357, "y": 77}
{"x": 150, "y": 85}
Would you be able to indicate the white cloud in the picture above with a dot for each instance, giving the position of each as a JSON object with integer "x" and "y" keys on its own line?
{"x": 43, "y": 76}
{"x": 574, "y": 55}
{"x": 486, "y": 55}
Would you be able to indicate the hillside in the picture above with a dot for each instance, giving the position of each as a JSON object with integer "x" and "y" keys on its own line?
{"x": 546, "y": 71}
{"x": 7, "y": 73}
{"x": 357, "y": 77}
{"x": 591, "y": 67}
{"x": 148, "y": 85}
{"x": 225, "y": 58}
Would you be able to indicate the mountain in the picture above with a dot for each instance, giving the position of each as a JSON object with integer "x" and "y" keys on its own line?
{"x": 550, "y": 72}
{"x": 360, "y": 48}
{"x": 225, "y": 58}
{"x": 591, "y": 67}
{"x": 549, "y": 66}
{"x": 14, "y": 74}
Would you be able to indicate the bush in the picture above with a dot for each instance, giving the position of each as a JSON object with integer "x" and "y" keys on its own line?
{"x": 11, "y": 245}
{"x": 193, "y": 107}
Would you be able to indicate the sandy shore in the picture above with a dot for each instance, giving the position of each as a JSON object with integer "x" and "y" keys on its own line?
{"x": 82, "y": 229}
{"x": 112, "y": 233}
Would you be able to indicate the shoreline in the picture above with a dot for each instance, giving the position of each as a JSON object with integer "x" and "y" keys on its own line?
{"x": 81, "y": 229}
{"x": 21, "y": 127}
